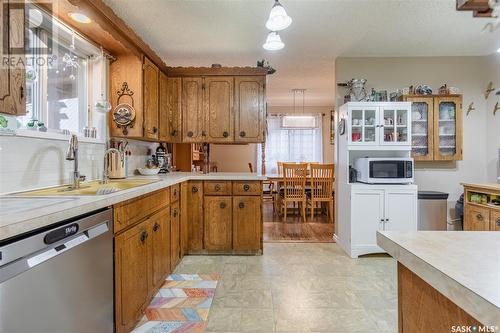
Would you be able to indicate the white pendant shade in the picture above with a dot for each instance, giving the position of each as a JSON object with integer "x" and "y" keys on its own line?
{"x": 278, "y": 19}
{"x": 273, "y": 42}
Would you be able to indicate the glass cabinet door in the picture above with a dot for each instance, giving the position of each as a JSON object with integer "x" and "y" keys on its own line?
{"x": 363, "y": 126}
{"x": 421, "y": 125}
{"x": 447, "y": 121}
{"x": 395, "y": 126}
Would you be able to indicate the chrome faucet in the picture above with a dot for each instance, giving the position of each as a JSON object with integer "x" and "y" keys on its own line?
{"x": 105, "y": 176}
{"x": 72, "y": 155}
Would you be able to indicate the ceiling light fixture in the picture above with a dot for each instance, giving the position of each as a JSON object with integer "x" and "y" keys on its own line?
{"x": 278, "y": 19}
{"x": 273, "y": 42}
{"x": 80, "y": 18}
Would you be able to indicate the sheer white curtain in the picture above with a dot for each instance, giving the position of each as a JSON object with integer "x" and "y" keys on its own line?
{"x": 290, "y": 145}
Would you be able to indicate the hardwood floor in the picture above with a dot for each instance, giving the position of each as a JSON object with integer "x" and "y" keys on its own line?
{"x": 294, "y": 230}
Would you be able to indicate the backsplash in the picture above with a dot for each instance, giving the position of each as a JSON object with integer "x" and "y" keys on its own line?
{"x": 28, "y": 163}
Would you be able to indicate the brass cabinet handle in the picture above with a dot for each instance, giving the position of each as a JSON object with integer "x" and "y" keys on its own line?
{"x": 222, "y": 205}
{"x": 479, "y": 217}
{"x": 217, "y": 187}
{"x": 246, "y": 187}
{"x": 175, "y": 213}
{"x": 243, "y": 134}
{"x": 190, "y": 134}
{"x": 21, "y": 88}
{"x": 175, "y": 192}
{"x": 242, "y": 205}
{"x": 203, "y": 133}
{"x": 155, "y": 129}
{"x": 194, "y": 189}
{"x": 173, "y": 133}
{"x": 225, "y": 134}
{"x": 144, "y": 236}
{"x": 156, "y": 227}
{"x": 498, "y": 222}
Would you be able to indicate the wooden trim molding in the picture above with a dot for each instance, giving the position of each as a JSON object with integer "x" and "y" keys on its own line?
{"x": 208, "y": 71}
{"x": 107, "y": 29}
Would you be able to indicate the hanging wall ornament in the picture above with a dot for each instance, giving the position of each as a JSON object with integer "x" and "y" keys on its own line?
{"x": 124, "y": 113}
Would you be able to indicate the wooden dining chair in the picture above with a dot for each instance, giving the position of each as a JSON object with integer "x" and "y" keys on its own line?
{"x": 322, "y": 177}
{"x": 294, "y": 183}
{"x": 280, "y": 168}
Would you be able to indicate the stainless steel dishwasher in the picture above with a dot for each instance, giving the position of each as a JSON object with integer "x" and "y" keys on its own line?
{"x": 59, "y": 279}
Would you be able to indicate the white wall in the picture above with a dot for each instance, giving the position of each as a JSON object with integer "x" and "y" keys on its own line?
{"x": 466, "y": 73}
{"x": 492, "y": 122}
{"x": 28, "y": 163}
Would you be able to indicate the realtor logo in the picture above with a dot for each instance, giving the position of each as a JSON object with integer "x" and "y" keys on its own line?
{"x": 37, "y": 40}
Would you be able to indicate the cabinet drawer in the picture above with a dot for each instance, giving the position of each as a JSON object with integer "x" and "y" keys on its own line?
{"x": 253, "y": 187}
{"x": 131, "y": 211}
{"x": 217, "y": 187}
{"x": 494, "y": 220}
{"x": 476, "y": 218}
{"x": 174, "y": 193}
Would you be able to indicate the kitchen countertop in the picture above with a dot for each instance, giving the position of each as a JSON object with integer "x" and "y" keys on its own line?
{"x": 461, "y": 265}
{"x": 23, "y": 214}
{"x": 489, "y": 186}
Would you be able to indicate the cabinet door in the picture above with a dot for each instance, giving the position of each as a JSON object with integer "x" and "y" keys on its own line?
{"x": 476, "y": 218}
{"x": 448, "y": 128}
{"x": 195, "y": 216}
{"x": 192, "y": 109}
{"x": 247, "y": 223}
{"x": 396, "y": 128}
{"x": 218, "y": 226}
{"x": 218, "y": 108}
{"x": 367, "y": 216}
{"x": 12, "y": 78}
{"x": 184, "y": 218}
{"x": 159, "y": 226}
{"x": 494, "y": 220}
{"x": 422, "y": 125}
{"x": 249, "y": 102}
{"x": 174, "y": 92}
{"x": 363, "y": 125}
{"x": 150, "y": 91}
{"x": 163, "y": 115}
{"x": 400, "y": 210}
{"x": 131, "y": 276}
{"x": 175, "y": 244}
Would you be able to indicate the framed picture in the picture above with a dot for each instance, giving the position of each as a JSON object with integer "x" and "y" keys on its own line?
{"x": 332, "y": 126}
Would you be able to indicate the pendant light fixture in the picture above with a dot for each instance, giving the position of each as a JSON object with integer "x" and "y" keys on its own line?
{"x": 278, "y": 18}
{"x": 273, "y": 42}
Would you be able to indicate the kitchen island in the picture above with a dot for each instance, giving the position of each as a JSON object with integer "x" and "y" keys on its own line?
{"x": 446, "y": 280}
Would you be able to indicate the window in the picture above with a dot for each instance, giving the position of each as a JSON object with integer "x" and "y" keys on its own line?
{"x": 287, "y": 144}
{"x": 61, "y": 85}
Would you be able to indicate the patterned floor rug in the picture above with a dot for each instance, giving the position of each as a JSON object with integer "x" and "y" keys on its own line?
{"x": 181, "y": 305}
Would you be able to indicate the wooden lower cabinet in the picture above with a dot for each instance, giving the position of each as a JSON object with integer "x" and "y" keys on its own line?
{"x": 195, "y": 215}
{"x": 247, "y": 226}
{"x": 184, "y": 218}
{"x": 159, "y": 231}
{"x": 131, "y": 276}
{"x": 478, "y": 219}
{"x": 495, "y": 221}
{"x": 175, "y": 240}
{"x": 218, "y": 226}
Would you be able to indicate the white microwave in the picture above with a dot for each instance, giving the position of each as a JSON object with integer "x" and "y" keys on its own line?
{"x": 379, "y": 170}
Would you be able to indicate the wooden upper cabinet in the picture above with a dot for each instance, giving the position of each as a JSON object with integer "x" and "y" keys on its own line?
{"x": 448, "y": 128}
{"x": 422, "y": 121}
{"x": 218, "y": 108}
{"x": 12, "y": 78}
{"x": 249, "y": 108}
{"x": 151, "y": 80}
{"x": 192, "y": 110}
{"x": 174, "y": 93}
{"x": 218, "y": 223}
{"x": 163, "y": 115}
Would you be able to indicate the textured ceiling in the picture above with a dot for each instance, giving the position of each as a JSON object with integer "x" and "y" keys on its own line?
{"x": 231, "y": 32}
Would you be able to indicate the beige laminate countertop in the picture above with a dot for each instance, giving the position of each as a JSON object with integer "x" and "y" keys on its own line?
{"x": 490, "y": 186}
{"x": 24, "y": 214}
{"x": 464, "y": 266}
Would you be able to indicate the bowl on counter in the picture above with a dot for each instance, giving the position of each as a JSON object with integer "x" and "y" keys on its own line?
{"x": 148, "y": 171}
